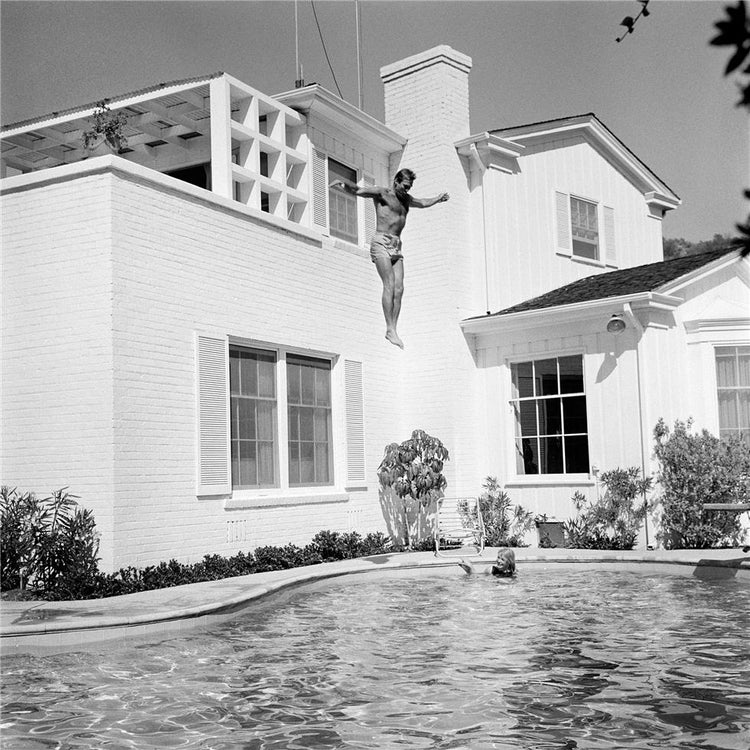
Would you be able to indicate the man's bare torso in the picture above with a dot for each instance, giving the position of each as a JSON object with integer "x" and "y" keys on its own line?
{"x": 391, "y": 211}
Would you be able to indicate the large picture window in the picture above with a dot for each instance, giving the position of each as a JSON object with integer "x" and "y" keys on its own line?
{"x": 733, "y": 382}
{"x": 342, "y": 207}
{"x": 551, "y": 427}
{"x": 584, "y": 226}
{"x": 255, "y": 403}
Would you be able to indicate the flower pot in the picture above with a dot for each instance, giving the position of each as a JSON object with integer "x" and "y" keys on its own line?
{"x": 550, "y": 533}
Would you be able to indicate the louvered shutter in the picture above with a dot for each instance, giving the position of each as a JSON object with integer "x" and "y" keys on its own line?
{"x": 355, "y": 422}
{"x": 320, "y": 189}
{"x": 370, "y": 217}
{"x": 213, "y": 469}
{"x": 562, "y": 213}
{"x": 610, "y": 251}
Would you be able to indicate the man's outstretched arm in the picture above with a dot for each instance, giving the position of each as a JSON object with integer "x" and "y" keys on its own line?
{"x": 427, "y": 202}
{"x": 366, "y": 192}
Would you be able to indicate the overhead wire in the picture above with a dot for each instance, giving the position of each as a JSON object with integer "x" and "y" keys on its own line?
{"x": 322, "y": 41}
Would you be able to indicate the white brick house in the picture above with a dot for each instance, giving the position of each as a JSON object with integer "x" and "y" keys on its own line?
{"x": 192, "y": 336}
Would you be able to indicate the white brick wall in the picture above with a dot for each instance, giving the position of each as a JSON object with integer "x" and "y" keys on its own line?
{"x": 105, "y": 281}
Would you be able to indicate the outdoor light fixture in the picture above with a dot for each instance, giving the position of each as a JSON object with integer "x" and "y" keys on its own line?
{"x": 616, "y": 324}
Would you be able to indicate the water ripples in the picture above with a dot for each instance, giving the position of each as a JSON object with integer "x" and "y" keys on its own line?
{"x": 554, "y": 659}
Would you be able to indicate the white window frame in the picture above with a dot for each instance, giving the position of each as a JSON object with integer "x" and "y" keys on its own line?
{"x": 355, "y": 201}
{"x": 598, "y": 256}
{"x": 283, "y": 488}
{"x": 546, "y": 478}
{"x": 726, "y": 431}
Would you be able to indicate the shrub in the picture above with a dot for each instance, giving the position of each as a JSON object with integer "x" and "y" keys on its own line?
{"x": 613, "y": 520}
{"x": 51, "y": 545}
{"x": 695, "y": 469}
{"x": 505, "y": 525}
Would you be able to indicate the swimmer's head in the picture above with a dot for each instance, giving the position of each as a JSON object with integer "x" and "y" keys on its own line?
{"x": 506, "y": 562}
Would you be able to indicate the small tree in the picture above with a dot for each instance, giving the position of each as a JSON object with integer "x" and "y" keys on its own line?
{"x": 414, "y": 471}
{"x": 505, "y": 525}
{"x": 696, "y": 469}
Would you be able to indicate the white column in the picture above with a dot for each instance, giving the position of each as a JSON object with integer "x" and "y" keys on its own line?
{"x": 221, "y": 138}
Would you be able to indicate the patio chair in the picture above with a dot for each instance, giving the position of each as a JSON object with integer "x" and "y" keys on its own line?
{"x": 458, "y": 525}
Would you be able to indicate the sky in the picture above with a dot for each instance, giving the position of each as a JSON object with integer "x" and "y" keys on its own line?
{"x": 661, "y": 91}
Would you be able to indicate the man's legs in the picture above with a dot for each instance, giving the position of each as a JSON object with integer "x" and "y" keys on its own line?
{"x": 387, "y": 273}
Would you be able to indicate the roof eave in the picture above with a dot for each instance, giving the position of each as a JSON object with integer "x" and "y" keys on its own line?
{"x": 319, "y": 101}
{"x": 578, "y": 311}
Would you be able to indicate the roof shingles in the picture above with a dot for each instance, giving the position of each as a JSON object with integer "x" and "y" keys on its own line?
{"x": 618, "y": 283}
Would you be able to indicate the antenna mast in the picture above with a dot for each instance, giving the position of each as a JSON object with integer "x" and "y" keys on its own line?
{"x": 360, "y": 98}
{"x": 298, "y": 81}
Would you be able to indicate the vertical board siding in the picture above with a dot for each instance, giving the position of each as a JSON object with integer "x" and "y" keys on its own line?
{"x": 213, "y": 432}
{"x": 370, "y": 217}
{"x": 355, "y": 423}
{"x": 610, "y": 251}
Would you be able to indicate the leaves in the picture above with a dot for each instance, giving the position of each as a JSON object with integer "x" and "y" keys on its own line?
{"x": 629, "y": 22}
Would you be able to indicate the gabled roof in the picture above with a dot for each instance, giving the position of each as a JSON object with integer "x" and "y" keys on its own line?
{"x": 592, "y": 128}
{"x": 652, "y": 277}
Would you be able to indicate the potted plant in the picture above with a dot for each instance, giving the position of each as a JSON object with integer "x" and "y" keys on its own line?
{"x": 107, "y": 129}
{"x": 549, "y": 531}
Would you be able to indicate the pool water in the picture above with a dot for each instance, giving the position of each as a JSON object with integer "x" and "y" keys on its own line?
{"x": 557, "y": 658}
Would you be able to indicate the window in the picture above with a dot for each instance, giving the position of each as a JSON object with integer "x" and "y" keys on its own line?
{"x": 584, "y": 228}
{"x": 551, "y": 432}
{"x": 309, "y": 411}
{"x": 254, "y": 405}
{"x": 342, "y": 207}
{"x": 733, "y": 381}
{"x": 252, "y": 385}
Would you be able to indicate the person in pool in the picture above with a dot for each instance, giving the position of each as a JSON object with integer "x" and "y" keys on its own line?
{"x": 503, "y": 567}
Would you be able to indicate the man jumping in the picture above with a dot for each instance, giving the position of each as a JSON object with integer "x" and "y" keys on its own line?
{"x": 391, "y": 207}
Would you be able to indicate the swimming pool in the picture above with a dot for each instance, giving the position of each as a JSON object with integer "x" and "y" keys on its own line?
{"x": 557, "y": 658}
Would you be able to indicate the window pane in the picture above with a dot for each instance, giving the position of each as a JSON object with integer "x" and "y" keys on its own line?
{"x": 266, "y": 379}
{"x": 292, "y": 382}
{"x": 235, "y": 463}
{"x": 266, "y": 421}
{"x": 743, "y": 366}
{"x": 342, "y": 207}
{"x": 528, "y": 456}
{"x": 577, "y": 455}
{"x": 294, "y": 423}
{"x": 550, "y": 418}
{"x": 523, "y": 379}
{"x": 550, "y": 455}
{"x": 248, "y": 375}
{"x": 574, "y": 414}
{"x": 526, "y": 418}
{"x": 321, "y": 463}
{"x": 307, "y": 385}
{"x": 546, "y": 377}
{"x": 234, "y": 371}
{"x": 248, "y": 464}
{"x": 321, "y": 425}
{"x": 726, "y": 375}
{"x": 246, "y": 418}
{"x": 728, "y": 410}
{"x": 743, "y": 409}
{"x": 266, "y": 468}
{"x": 234, "y": 417}
{"x": 294, "y": 463}
{"x": 571, "y": 374}
{"x": 306, "y": 428}
{"x": 322, "y": 388}
{"x": 307, "y": 463}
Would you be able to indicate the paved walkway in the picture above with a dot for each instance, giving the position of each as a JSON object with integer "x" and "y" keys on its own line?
{"x": 45, "y": 627}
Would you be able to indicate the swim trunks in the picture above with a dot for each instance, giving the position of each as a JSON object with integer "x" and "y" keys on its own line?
{"x": 384, "y": 245}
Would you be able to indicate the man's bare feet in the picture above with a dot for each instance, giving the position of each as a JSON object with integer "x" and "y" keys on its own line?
{"x": 392, "y": 336}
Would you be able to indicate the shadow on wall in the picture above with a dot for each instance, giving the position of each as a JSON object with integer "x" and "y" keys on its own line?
{"x": 418, "y": 522}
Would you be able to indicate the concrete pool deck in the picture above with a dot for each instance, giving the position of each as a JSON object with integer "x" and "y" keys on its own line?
{"x": 40, "y": 627}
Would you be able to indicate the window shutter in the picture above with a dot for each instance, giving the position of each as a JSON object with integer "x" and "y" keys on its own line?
{"x": 370, "y": 217}
{"x": 320, "y": 189}
{"x": 213, "y": 469}
{"x": 562, "y": 211}
{"x": 610, "y": 253}
{"x": 355, "y": 423}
